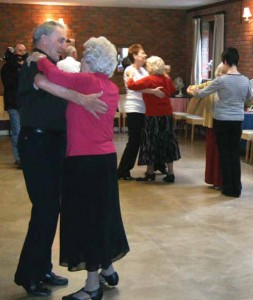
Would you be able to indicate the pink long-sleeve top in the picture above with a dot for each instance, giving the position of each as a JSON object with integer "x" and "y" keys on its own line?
{"x": 86, "y": 135}
{"x": 154, "y": 105}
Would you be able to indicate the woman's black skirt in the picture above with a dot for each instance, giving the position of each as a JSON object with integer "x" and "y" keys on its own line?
{"x": 92, "y": 234}
{"x": 158, "y": 143}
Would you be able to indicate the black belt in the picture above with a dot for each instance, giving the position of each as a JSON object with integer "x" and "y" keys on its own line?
{"x": 30, "y": 129}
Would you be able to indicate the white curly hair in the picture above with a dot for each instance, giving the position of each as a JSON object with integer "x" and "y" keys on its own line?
{"x": 155, "y": 65}
{"x": 101, "y": 55}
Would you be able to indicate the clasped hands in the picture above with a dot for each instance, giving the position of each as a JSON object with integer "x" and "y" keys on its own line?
{"x": 193, "y": 90}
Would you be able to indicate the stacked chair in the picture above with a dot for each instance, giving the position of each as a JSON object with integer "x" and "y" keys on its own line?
{"x": 247, "y": 134}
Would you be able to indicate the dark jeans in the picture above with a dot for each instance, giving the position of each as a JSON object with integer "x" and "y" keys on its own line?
{"x": 228, "y": 136}
{"x": 135, "y": 123}
{"x": 42, "y": 157}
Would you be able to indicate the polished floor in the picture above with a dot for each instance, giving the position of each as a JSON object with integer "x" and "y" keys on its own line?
{"x": 188, "y": 242}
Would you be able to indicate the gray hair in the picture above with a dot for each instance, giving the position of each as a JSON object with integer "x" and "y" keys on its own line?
{"x": 46, "y": 28}
{"x": 155, "y": 65}
{"x": 70, "y": 50}
{"x": 101, "y": 55}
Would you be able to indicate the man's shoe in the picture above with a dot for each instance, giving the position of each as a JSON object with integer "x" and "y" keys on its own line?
{"x": 18, "y": 164}
{"x": 34, "y": 288}
{"x": 53, "y": 279}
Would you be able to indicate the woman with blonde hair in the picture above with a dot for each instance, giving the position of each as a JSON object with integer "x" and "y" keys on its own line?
{"x": 158, "y": 144}
{"x": 212, "y": 171}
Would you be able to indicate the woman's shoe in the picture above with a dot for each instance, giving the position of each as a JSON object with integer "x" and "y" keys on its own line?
{"x": 147, "y": 177}
{"x": 169, "y": 178}
{"x": 231, "y": 194}
{"x": 94, "y": 295}
{"x": 111, "y": 280}
{"x": 217, "y": 187}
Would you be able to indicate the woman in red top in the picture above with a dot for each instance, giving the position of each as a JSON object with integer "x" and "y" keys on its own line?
{"x": 92, "y": 234}
{"x": 158, "y": 141}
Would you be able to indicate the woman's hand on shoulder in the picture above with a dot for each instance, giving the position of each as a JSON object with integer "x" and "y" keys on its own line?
{"x": 130, "y": 73}
{"x": 190, "y": 89}
{"x": 35, "y": 56}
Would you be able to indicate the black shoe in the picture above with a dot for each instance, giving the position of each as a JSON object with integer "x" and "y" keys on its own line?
{"x": 161, "y": 168}
{"x": 18, "y": 164}
{"x": 111, "y": 280}
{"x": 231, "y": 194}
{"x": 126, "y": 177}
{"x": 34, "y": 288}
{"x": 53, "y": 279}
{"x": 147, "y": 177}
{"x": 94, "y": 295}
{"x": 169, "y": 178}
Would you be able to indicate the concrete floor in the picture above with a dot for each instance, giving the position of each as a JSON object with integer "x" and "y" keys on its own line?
{"x": 188, "y": 242}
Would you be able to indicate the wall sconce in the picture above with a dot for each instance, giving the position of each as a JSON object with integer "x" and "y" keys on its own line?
{"x": 247, "y": 14}
{"x": 61, "y": 21}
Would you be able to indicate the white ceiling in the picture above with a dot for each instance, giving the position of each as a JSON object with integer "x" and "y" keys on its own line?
{"x": 169, "y": 4}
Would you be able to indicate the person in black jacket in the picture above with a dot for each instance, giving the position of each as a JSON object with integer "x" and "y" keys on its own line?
{"x": 9, "y": 73}
{"x": 42, "y": 152}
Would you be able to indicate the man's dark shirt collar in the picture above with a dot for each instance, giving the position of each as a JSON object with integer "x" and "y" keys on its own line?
{"x": 48, "y": 57}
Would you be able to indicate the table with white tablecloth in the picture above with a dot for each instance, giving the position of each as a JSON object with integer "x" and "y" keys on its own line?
{"x": 179, "y": 104}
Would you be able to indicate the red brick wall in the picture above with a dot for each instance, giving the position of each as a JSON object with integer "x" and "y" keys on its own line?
{"x": 238, "y": 33}
{"x": 161, "y": 32}
{"x": 166, "y": 33}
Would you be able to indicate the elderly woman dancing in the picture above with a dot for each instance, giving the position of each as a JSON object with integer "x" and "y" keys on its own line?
{"x": 92, "y": 231}
{"x": 158, "y": 144}
{"x": 212, "y": 171}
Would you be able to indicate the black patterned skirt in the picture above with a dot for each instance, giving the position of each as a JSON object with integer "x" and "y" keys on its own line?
{"x": 158, "y": 142}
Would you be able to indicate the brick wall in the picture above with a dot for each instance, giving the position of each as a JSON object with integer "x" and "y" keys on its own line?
{"x": 161, "y": 32}
{"x": 166, "y": 33}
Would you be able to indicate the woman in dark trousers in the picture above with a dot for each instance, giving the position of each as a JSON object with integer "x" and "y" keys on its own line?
{"x": 233, "y": 90}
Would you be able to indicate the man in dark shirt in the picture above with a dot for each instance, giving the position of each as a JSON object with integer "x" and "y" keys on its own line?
{"x": 42, "y": 151}
{"x": 9, "y": 74}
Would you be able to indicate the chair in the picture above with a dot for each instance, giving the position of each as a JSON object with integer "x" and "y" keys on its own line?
{"x": 117, "y": 117}
{"x": 247, "y": 134}
{"x": 121, "y": 108}
{"x": 4, "y": 116}
{"x": 195, "y": 119}
{"x": 191, "y": 108}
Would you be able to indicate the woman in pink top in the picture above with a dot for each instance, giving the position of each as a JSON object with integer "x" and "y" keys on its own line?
{"x": 92, "y": 232}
